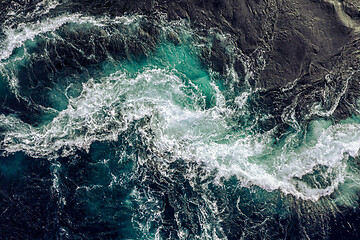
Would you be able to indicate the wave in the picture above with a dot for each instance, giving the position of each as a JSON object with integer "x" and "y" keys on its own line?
{"x": 181, "y": 125}
{"x": 187, "y": 113}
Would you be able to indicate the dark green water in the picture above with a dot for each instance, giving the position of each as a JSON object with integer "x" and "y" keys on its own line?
{"x": 118, "y": 128}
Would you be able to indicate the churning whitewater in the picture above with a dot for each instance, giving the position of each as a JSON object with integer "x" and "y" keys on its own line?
{"x": 188, "y": 116}
{"x": 157, "y": 96}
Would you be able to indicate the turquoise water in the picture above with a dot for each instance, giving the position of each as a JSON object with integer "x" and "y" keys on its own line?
{"x": 156, "y": 144}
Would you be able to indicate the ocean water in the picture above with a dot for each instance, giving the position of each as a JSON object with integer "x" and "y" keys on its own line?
{"x": 128, "y": 128}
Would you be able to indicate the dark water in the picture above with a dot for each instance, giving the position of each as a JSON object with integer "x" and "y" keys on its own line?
{"x": 129, "y": 128}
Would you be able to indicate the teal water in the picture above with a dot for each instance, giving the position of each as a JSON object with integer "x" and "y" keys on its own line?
{"x": 159, "y": 145}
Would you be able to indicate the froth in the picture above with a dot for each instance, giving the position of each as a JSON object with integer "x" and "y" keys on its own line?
{"x": 184, "y": 127}
{"x": 183, "y": 124}
{"x": 16, "y": 37}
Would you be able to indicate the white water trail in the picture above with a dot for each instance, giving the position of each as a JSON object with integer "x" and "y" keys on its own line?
{"x": 183, "y": 127}
{"x": 180, "y": 124}
{"x": 16, "y": 38}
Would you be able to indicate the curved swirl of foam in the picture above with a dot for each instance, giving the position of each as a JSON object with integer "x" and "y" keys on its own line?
{"x": 101, "y": 112}
{"x": 255, "y": 160}
{"x": 16, "y": 37}
{"x": 183, "y": 124}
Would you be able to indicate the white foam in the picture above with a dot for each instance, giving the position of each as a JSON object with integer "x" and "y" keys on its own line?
{"x": 107, "y": 107}
{"x": 332, "y": 94}
{"x": 180, "y": 124}
{"x": 15, "y": 38}
{"x": 97, "y": 114}
{"x": 44, "y": 7}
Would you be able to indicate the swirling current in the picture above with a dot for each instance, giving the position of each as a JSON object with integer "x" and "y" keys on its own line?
{"x": 128, "y": 127}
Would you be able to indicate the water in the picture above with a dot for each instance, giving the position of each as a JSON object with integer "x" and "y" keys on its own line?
{"x": 119, "y": 128}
